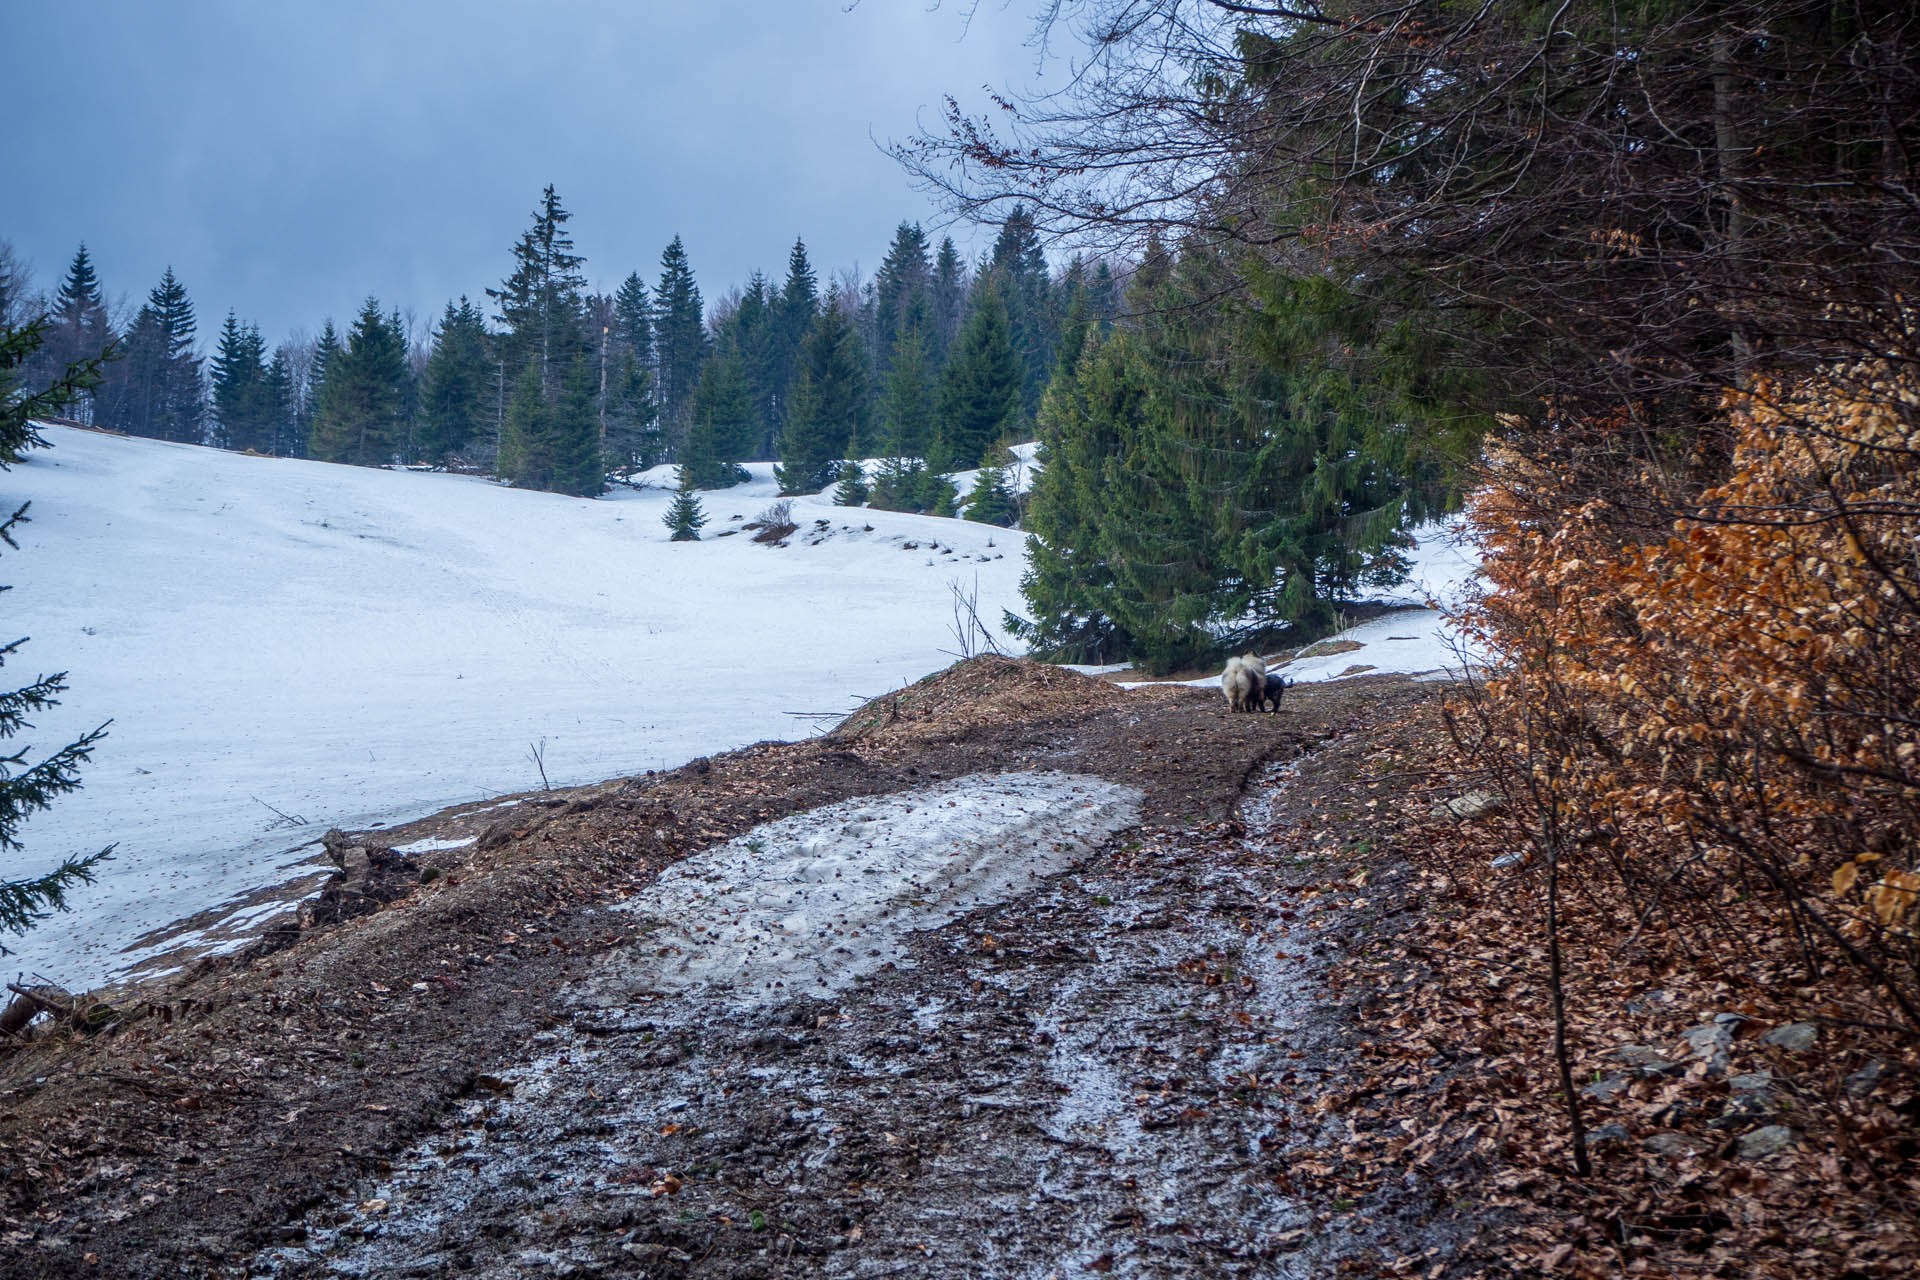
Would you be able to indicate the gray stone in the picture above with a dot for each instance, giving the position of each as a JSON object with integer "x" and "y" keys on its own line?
{"x": 1710, "y": 1041}
{"x": 1862, "y": 1082}
{"x": 1752, "y": 1082}
{"x": 1650, "y": 1061}
{"x": 1475, "y": 804}
{"x": 1795, "y": 1037}
{"x": 1675, "y": 1145}
{"x": 1608, "y": 1133}
{"x": 1768, "y": 1141}
{"x": 1604, "y": 1090}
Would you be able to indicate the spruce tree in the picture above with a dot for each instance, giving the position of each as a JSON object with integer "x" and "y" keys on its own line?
{"x": 540, "y": 301}
{"x": 852, "y": 491}
{"x": 1088, "y": 413}
{"x": 360, "y": 417}
{"x": 684, "y": 517}
{"x": 160, "y": 391}
{"x": 526, "y": 437}
{"x": 1022, "y": 267}
{"x": 827, "y": 418}
{"x": 722, "y": 429}
{"x": 947, "y": 296}
{"x": 901, "y": 293}
{"x": 242, "y": 403}
{"x": 78, "y": 331}
{"x": 577, "y": 466}
{"x": 906, "y": 404}
{"x": 979, "y": 401}
{"x": 992, "y": 500}
{"x": 679, "y": 339}
{"x": 457, "y": 385}
{"x": 897, "y": 484}
{"x": 633, "y": 437}
{"x": 794, "y": 309}
{"x": 29, "y": 788}
{"x": 283, "y": 406}
{"x": 326, "y": 353}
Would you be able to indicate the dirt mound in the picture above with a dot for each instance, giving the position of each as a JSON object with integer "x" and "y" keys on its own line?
{"x": 981, "y": 692}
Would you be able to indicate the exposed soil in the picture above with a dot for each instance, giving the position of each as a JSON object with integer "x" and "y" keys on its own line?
{"x": 1121, "y": 1069}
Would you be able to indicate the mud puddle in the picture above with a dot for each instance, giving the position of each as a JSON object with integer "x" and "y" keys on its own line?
{"x": 1095, "y": 1074}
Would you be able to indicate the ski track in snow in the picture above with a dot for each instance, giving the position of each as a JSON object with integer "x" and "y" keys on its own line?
{"x": 352, "y": 646}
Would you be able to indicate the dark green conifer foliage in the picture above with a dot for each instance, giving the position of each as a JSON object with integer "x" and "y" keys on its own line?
{"x": 897, "y": 484}
{"x": 326, "y": 353}
{"x": 722, "y": 429}
{"x": 992, "y": 500}
{"x": 947, "y": 299}
{"x": 242, "y": 403}
{"x": 28, "y": 788}
{"x": 1088, "y": 412}
{"x": 283, "y": 406}
{"x": 679, "y": 340}
{"x": 827, "y": 419}
{"x": 78, "y": 331}
{"x": 902, "y": 290}
{"x": 457, "y": 388}
{"x": 526, "y": 436}
{"x": 360, "y": 417}
{"x": 1025, "y": 286}
{"x": 577, "y": 466}
{"x": 853, "y": 490}
{"x": 161, "y": 389}
{"x": 685, "y": 517}
{"x": 540, "y": 302}
{"x": 633, "y": 437}
{"x": 906, "y": 403}
{"x": 794, "y": 309}
{"x": 979, "y": 401}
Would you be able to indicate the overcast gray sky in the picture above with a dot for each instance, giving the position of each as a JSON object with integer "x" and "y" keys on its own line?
{"x": 290, "y": 158}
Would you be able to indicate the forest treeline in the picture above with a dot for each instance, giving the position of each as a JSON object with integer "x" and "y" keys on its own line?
{"x": 933, "y": 363}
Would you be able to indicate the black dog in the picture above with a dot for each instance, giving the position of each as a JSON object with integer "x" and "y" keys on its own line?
{"x": 1270, "y": 697}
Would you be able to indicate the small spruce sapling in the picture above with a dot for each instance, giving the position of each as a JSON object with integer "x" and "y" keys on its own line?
{"x": 852, "y": 490}
{"x": 991, "y": 500}
{"x": 685, "y": 517}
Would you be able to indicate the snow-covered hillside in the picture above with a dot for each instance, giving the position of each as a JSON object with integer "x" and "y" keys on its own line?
{"x": 345, "y": 646}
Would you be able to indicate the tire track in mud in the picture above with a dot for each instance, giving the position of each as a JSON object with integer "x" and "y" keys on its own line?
{"x": 1094, "y": 1076}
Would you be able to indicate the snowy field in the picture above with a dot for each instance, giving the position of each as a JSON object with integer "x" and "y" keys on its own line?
{"x": 287, "y": 646}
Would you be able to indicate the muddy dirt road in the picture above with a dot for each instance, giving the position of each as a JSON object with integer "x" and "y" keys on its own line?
{"x": 1099, "y": 1050}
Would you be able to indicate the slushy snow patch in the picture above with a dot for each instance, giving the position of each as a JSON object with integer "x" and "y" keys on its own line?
{"x": 805, "y": 905}
{"x": 432, "y": 845}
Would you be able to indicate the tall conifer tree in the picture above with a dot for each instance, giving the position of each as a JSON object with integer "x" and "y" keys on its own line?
{"x": 829, "y": 421}
{"x": 242, "y": 406}
{"x": 78, "y": 331}
{"x": 163, "y": 392}
{"x": 540, "y": 302}
{"x": 980, "y": 390}
{"x": 360, "y": 417}
{"x": 679, "y": 339}
{"x": 457, "y": 385}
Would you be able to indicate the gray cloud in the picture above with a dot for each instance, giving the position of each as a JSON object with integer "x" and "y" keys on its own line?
{"x": 287, "y": 159}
